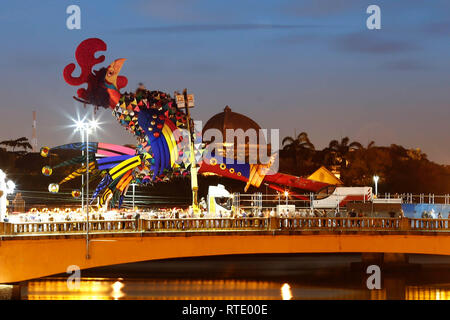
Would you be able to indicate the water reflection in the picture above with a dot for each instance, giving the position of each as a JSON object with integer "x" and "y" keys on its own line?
{"x": 104, "y": 289}
{"x": 427, "y": 293}
{"x": 117, "y": 290}
{"x": 251, "y": 278}
{"x": 108, "y": 289}
{"x": 286, "y": 293}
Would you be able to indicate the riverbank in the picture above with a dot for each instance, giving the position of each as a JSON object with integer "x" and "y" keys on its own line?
{"x": 6, "y": 292}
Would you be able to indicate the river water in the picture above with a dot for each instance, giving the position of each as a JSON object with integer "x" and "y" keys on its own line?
{"x": 267, "y": 277}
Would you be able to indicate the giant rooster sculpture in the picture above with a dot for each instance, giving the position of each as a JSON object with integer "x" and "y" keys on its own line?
{"x": 163, "y": 143}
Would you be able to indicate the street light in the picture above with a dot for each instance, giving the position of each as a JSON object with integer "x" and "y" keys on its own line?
{"x": 10, "y": 186}
{"x": 5, "y": 189}
{"x": 134, "y": 190}
{"x": 187, "y": 101}
{"x": 85, "y": 127}
{"x": 286, "y": 194}
{"x": 79, "y": 127}
{"x": 375, "y": 179}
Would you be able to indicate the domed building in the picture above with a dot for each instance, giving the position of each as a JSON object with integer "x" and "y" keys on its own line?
{"x": 238, "y": 132}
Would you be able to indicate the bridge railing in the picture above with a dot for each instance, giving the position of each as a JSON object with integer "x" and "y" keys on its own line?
{"x": 430, "y": 224}
{"x": 68, "y": 227}
{"x": 333, "y": 223}
{"x": 228, "y": 224}
{"x": 202, "y": 224}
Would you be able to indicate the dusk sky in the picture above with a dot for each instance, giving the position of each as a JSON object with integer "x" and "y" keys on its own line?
{"x": 298, "y": 66}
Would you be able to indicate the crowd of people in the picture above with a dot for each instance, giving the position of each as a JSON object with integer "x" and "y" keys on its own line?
{"x": 160, "y": 213}
{"x": 181, "y": 213}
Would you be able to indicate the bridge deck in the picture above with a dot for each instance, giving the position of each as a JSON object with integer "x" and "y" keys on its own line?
{"x": 33, "y": 250}
{"x": 220, "y": 225}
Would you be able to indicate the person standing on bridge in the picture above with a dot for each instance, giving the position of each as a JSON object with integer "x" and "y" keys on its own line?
{"x": 290, "y": 216}
{"x": 136, "y": 220}
{"x": 360, "y": 216}
{"x": 202, "y": 205}
{"x": 337, "y": 214}
{"x": 440, "y": 224}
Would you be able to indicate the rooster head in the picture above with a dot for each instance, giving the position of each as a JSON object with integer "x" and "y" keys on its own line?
{"x": 103, "y": 85}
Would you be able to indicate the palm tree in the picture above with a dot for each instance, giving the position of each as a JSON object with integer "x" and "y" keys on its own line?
{"x": 20, "y": 142}
{"x": 371, "y": 144}
{"x": 304, "y": 142}
{"x": 9, "y": 143}
{"x": 300, "y": 142}
{"x": 289, "y": 145}
{"x": 298, "y": 145}
{"x": 23, "y": 143}
{"x": 338, "y": 151}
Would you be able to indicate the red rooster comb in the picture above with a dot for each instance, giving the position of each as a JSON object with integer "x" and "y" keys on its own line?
{"x": 95, "y": 93}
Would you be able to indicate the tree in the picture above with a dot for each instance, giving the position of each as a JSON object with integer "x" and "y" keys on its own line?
{"x": 300, "y": 149}
{"x": 23, "y": 143}
{"x": 337, "y": 153}
{"x": 18, "y": 143}
{"x": 371, "y": 144}
{"x": 9, "y": 143}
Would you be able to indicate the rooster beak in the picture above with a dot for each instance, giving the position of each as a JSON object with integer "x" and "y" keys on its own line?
{"x": 113, "y": 71}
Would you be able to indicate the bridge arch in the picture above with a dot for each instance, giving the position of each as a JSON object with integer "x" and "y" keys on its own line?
{"x": 28, "y": 258}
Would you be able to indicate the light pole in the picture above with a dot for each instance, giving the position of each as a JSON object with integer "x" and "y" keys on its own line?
{"x": 134, "y": 190}
{"x": 375, "y": 179}
{"x": 6, "y": 187}
{"x": 82, "y": 176}
{"x": 286, "y": 194}
{"x": 85, "y": 128}
{"x": 187, "y": 101}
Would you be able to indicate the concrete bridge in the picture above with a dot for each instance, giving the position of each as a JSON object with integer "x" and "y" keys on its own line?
{"x": 34, "y": 250}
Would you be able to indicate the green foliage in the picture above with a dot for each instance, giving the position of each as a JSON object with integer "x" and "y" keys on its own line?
{"x": 400, "y": 170}
{"x": 18, "y": 143}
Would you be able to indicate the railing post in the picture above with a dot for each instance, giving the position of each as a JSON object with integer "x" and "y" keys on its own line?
{"x": 405, "y": 224}
{"x": 274, "y": 223}
{"x": 8, "y": 228}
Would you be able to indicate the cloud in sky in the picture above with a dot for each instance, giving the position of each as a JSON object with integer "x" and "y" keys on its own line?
{"x": 215, "y": 28}
{"x": 296, "y": 39}
{"x": 364, "y": 42}
{"x": 319, "y": 8}
{"x": 438, "y": 28}
{"x": 405, "y": 65}
{"x": 204, "y": 11}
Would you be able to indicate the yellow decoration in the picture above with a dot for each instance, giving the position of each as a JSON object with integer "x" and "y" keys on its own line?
{"x": 324, "y": 175}
{"x": 53, "y": 188}
{"x": 76, "y": 193}
{"x": 45, "y": 151}
{"x": 171, "y": 143}
{"x": 47, "y": 171}
{"x": 124, "y": 166}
